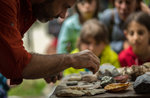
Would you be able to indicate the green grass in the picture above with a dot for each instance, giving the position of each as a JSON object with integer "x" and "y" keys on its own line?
{"x": 28, "y": 88}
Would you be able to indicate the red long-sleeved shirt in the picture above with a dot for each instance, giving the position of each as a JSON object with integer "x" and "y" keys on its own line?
{"x": 15, "y": 19}
{"x": 128, "y": 58}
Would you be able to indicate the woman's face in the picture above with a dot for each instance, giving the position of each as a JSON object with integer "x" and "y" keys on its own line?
{"x": 125, "y": 7}
{"x": 87, "y": 9}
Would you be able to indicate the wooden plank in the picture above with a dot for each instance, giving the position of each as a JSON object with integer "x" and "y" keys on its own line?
{"x": 126, "y": 94}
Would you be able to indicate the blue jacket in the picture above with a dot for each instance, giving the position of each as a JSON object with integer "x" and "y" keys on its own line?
{"x": 111, "y": 19}
{"x": 3, "y": 86}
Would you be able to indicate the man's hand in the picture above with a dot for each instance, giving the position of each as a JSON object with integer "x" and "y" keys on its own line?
{"x": 85, "y": 59}
{"x": 42, "y": 66}
{"x": 54, "y": 78}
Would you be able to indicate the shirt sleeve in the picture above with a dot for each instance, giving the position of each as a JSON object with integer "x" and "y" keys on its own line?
{"x": 64, "y": 41}
{"x": 13, "y": 56}
{"x": 106, "y": 17}
{"x": 114, "y": 58}
{"x": 3, "y": 82}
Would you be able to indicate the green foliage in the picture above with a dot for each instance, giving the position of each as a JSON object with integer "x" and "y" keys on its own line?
{"x": 28, "y": 88}
{"x": 147, "y": 2}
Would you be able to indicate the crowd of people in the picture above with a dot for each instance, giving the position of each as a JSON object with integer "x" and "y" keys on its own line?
{"x": 96, "y": 32}
{"x": 114, "y": 35}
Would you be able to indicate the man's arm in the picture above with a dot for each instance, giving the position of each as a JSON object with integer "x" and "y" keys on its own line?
{"x": 44, "y": 66}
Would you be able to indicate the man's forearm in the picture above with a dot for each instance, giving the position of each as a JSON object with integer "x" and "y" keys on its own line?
{"x": 43, "y": 66}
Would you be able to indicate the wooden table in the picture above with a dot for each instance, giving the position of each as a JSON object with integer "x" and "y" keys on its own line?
{"x": 126, "y": 94}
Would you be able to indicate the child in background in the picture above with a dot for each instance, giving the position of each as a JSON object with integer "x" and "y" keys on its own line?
{"x": 114, "y": 19}
{"x": 137, "y": 32}
{"x": 94, "y": 36}
{"x": 70, "y": 31}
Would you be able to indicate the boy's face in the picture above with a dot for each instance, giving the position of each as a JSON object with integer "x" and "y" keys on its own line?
{"x": 137, "y": 35}
{"x": 87, "y": 9}
{"x": 125, "y": 7}
{"x": 91, "y": 44}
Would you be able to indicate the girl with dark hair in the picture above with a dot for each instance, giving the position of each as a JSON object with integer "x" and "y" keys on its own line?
{"x": 70, "y": 31}
{"x": 115, "y": 18}
{"x": 137, "y": 32}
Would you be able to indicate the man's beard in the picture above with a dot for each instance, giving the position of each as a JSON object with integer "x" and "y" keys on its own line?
{"x": 40, "y": 13}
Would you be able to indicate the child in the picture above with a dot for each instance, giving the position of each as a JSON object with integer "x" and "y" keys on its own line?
{"x": 94, "y": 36}
{"x": 115, "y": 18}
{"x": 137, "y": 32}
{"x": 70, "y": 31}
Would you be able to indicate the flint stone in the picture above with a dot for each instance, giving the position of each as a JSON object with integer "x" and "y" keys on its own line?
{"x": 72, "y": 83}
{"x": 79, "y": 93}
{"x": 92, "y": 92}
{"x": 106, "y": 80}
{"x": 69, "y": 93}
{"x": 108, "y": 70}
{"x": 142, "y": 84}
{"x": 89, "y": 78}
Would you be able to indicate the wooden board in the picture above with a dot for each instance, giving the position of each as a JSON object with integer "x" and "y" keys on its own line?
{"x": 126, "y": 94}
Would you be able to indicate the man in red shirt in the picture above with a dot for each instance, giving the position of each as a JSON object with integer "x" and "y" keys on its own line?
{"x": 16, "y": 16}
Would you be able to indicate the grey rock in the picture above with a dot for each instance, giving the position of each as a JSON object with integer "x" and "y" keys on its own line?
{"x": 93, "y": 92}
{"x": 106, "y": 80}
{"x": 89, "y": 78}
{"x": 142, "y": 84}
{"x": 79, "y": 93}
{"x": 72, "y": 83}
{"x": 69, "y": 93}
{"x": 107, "y": 70}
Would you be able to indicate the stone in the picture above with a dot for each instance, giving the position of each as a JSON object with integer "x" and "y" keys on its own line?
{"x": 142, "y": 84}
{"x": 121, "y": 79}
{"x": 106, "y": 80}
{"x": 69, "y": 93}
{"x": 89, "y": 78}
{"x": 92, "y": 92}
{"x": 107, "y": 70}
{"x": 87, "y": 85}
{"x": 135, "y": 71}
{"x": 72, "y": 83}
{"x": 79, "y": 93}
{"x": 117, "y": 87}
{"x": 74, "y": 78}
{"x": 147, "y": 64}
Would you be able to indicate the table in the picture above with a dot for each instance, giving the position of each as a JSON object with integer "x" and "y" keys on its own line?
{"x": 129, "y": 93}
